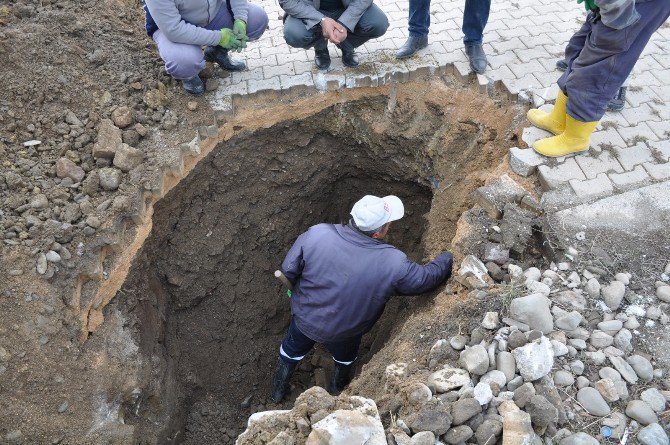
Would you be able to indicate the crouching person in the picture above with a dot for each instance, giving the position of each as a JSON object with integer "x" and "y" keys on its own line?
{"x": 342, "y": 277}
{"x": 346, "y": 23}
{"x": 181, "y": 27}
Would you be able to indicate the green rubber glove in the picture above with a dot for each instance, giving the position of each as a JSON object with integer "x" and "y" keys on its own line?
{"x": 240, "y": 29}
{"x": 589, "y": 5}
{"x": 229, "y": 40}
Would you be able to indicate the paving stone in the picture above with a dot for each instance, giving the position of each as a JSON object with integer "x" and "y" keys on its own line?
{"x": 658, "y": 171}
{"x": 592, "y": 188}
{"x": 632, "y": 179}
{"x": 552, "y": 177}
{"x": 592, "y": 166}
{"x": 631, "y": 156}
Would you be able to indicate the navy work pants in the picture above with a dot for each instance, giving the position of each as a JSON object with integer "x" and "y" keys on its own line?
{"x": 296, "y": 345}
{"x": 475, "y": 16}
{"x": 600, "y": 59}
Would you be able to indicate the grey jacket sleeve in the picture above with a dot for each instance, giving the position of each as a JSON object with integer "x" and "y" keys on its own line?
{"x": 353, "y": 13}
{"x": 170, "y": 22}
{"x": 303, "y": 10}
{"x": 240, "y": 9}
{"x": 618, "y": 14}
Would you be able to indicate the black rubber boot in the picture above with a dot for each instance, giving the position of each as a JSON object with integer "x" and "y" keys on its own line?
{"x": 562, "y": 65}
{"x": 342, "y": 375}
{"x": 619, "y": 100}
{"x": 349, "y": 57}
{"x": 477, "y": 58}
{"x": 220, "y": 56}
{"x": 281, "y": 379}
{"x": 194, "y": 85}
{"x": 411, "y": 46}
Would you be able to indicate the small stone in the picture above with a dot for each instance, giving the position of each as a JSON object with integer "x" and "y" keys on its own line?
{"x": 122, "y": 117}
{"x": 653, "y": 434}
{"x": 577, "y": 367}
{"x": 41, "y": 264}
{"x": 458, "y": 435}
{"x": 641, "y": 411}
{"x": 626, "y": 371}
{"x": 569, "y": 321}
{"x": 538, "y": 287}
{"x": 448, "y": 379}
{"x": 563, "y": 378}
{"x": 490, "y": 321}
{"x": 39, "y": 201}
{"x": 68, "y": 169}
{"x": 110, "y": 178}
{"x": 63, "y": 407}
{"x": 127, "y": 157}
{"x": 642, "y": 367}
{"x": 613, "y": 294}
{"x": 624, "y": 278}
{"x": 579, "y": 438}
{"x": 607, "y": 389}
{"x": 506, "y": 363}
{"x": 610, "y": 327}
{"x": 533, "y": 274}
{"x": 654, "y": 399}
{"x": 53, "y": 257}
{"x": 108, "y": 141}
{"x": 458, "y": 342}
{"x": 622, "y": 340}
{"x": 482, "y": 393}
{"x": 463, "y": 410}
{"x": 192, "y": 105}
{"x": 516, "y": 339}
{"x": 663, "y": 293}
{"x": 475, "y": 359}
{"x": 559, "y": 348}
{"x": 582, "y": 382}
{"x": 517, "y": 425}
{"x": 600, "y": 339}
{"x": 534, "y": 311}
{"x": 593, "y": 402}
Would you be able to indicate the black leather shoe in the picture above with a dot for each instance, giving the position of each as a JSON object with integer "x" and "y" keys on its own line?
{"x": 281, "y": 379}
{"x": 322, "y": 59}
{"x": 562, "y": 65}
{"x": 349, "y": 57}
{"x": 619, "y": 100}
{"x": 477, "y": 58}
{"x": 411, "y": 46}
{"x": 220, "y": 56}
{"x": 194, "y": 86}
{"x": 341, "y": 377}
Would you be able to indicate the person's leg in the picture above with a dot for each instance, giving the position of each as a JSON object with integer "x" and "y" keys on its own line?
{"x": 344, "y": 354}
{"x": 372, "y": 24}
{"x": 475, "y": 17}
{"x": 182, "y": 61}
{"x": 297, "y": 36}
{"x": 224, "y": 19}
{"x": 419, "y": 22}
{"x": 572, "y": 50}
{"x": 596, "y": 74}
{"x": 257, "y": 20}
{"x": 293, "y": 348}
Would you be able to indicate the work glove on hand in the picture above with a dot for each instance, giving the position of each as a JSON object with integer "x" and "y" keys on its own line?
{"x": 230, "y": 41}
{"x": 240, "y": 29}
{"x": 589, "y": 5}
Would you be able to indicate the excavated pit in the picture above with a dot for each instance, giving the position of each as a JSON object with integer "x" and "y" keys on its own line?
{"x": 205, "y": 308}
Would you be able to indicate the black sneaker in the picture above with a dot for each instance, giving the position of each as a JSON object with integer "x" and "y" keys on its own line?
{"x": 619, "y": 100}
{"x": 194, "y": 85}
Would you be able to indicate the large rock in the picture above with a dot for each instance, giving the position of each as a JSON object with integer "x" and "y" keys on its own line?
{"x": 464, "y": 409}
{"x": 458, "y": 435}
{"x": 534, "y": 311}
{"x": 109, "y": 140}
{"x": 110, "y": 178}
{"x": 535, "y": 359}
{"x": 593, "y": 402}
{"x": 626, "y": 371}
{"x": 653, "y": 435}
{"x": 642, "y": 367}
{"x": 654, "y": 399}
{"x": 487, "y": 433}
{"x": 127, "y": 157}
{"x": 517, "y": 425}
{"x": 344, "y": 427}
{"x": 579, "y": 439}
{"x": 641, "y": 411}
{"x": 448, "y": 378}
{"x": 613, "y": 293}
{"x": 506, "y": 364}
{"x": 475, "y": 359}
{"x": 434, "y": 418}
{"x": 422, "y": 438}
{"x": 494, "y": 196}
{"x": 542, "y": 412}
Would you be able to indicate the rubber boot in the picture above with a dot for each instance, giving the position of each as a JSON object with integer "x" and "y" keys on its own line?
{"x": 194, "y": 85}
{"x": 554, "y": 121}
{"x": 575, "y": 138}
{"x": 216, "y": 54}
{"x": 341, "y": 377}
{"x": 281, "y": 379}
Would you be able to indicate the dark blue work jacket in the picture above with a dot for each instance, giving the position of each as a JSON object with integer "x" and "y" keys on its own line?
{"x": 343, "y": 278}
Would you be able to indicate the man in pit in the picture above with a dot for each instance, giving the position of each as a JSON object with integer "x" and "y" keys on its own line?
{"x": 342, "y": 277}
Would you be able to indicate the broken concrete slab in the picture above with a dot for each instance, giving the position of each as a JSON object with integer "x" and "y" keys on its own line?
{"x": 494, "y": 196}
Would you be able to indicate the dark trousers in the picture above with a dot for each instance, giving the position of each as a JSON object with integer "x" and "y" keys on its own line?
{"x": 475, "y": 16}
{"x": 296, "y": 345}
{"x": 372, "y": 24}
{"x": 600, "y": 59}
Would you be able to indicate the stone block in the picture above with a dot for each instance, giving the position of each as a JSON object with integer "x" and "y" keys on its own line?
{"x": 494, "y": 196}
{"x": 594, "y": 166}
{"x": 593, "y": 188}
{"x": 628, "y": 180}
{"x": 532, "y": 134}
{"x": 109, "y": 139}
{"x": 631, "y": 156}
{"x": 658, "y": 171}
{"x": 553, "y": 177}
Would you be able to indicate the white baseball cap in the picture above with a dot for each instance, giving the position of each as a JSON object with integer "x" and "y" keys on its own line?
{"x": 372, "y": 212}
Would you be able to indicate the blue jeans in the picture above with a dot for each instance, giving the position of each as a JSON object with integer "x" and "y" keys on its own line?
{"x": 600, "y": 59}
{"x": 475, "y": 16}
{"x": 296, "y": 345}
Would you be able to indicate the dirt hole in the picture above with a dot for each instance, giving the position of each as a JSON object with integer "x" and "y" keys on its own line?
{"x": 201, "y": 298}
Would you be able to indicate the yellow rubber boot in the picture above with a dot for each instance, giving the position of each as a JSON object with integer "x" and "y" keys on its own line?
{"x": 554, "y": 121}
{"x": 575, "y": 138}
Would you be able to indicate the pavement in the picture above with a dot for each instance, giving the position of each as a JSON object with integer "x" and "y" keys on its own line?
{"x": 630, "y": 149}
